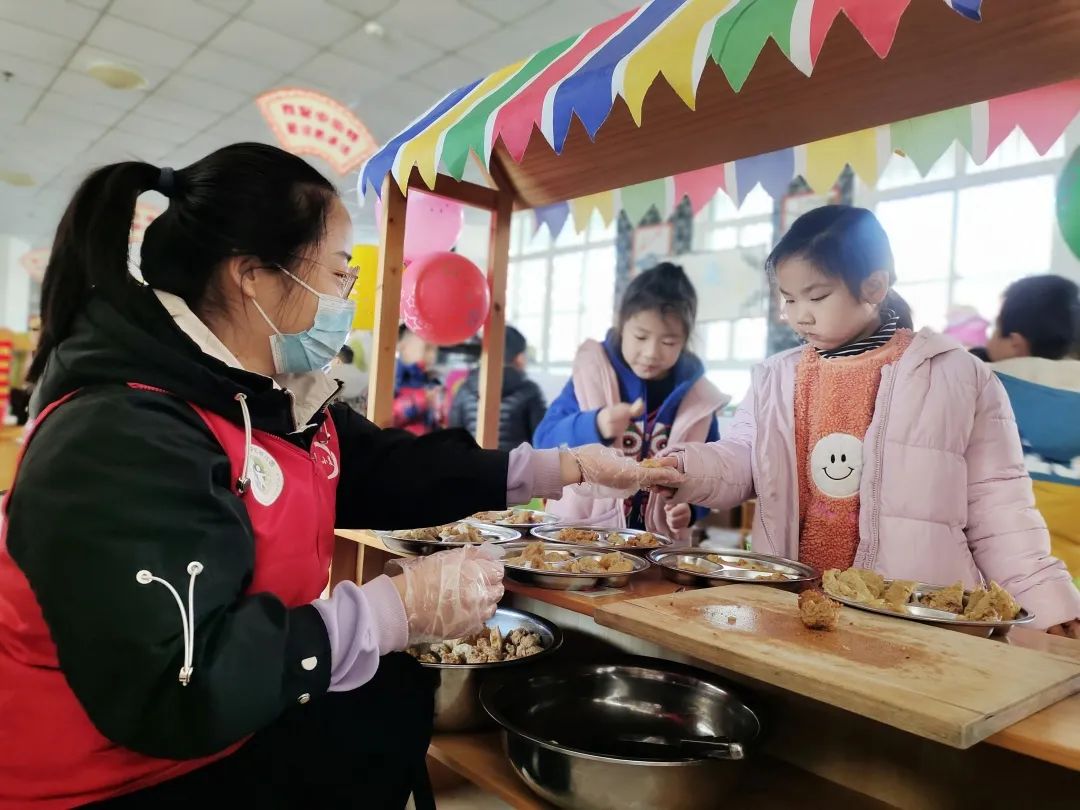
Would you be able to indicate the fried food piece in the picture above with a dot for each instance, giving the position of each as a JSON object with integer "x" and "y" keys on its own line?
{"x": 898, "y": 594}
{"x": 696, "y": 567}
{"x": 493, "y": 517}
{"x": 817, "y": 611}
{"x": 738, "y": 562}
{"x": 461, "y": 533}
{"x": 540, "y": 558}
{"x": 578, "y": 536}
{"x": 856, "y": 584}
{"x": 950, "y": 599}
{"x": 486, "y": 647}
{"x": 994, "y": 604}
{"x": 651, "y": 463}
{"x": 429, "y": 534}
{"x": 615, "y": 540}
{"x": 643, "y": 540}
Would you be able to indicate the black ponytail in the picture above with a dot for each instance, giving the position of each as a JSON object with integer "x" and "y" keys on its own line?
{"x": 666, "y": 289}
{"x": 247, "y": 199}
{"x": 844, "y": 242}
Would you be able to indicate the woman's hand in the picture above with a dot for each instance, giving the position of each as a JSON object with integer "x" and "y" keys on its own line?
{"x": 1069, "y": 629}
{"x": 450, "y": 594}
{"x": 679, "y": 516}
{"x": 612, "y": 474}
{"x": 613, "y": 420}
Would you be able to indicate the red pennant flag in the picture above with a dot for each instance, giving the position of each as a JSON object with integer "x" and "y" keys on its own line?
{"x": 699, "y": 186}
{"x": 876, "y": 20}
{"x": 1043, "y": 114}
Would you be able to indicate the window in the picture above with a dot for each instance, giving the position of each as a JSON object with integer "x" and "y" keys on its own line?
{"x": 562, "y": 291}
{"x": 963, "y": 233}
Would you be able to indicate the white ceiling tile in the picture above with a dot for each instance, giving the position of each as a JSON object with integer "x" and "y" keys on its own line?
{"x": 137, "y": 124}
{"x": 95, "y": 4}
{"x": 54, "y": 16}
{"x": 199, "y": 93}
{"x": 365, "y": 8}
{"x": 446, "y": 24}
{"x": 16, "y": 100}
{"x": 28, "y": 71}
{"x": 392, "y": 54}
{"x": 81, "y": 109}
{"x": 140, "y": 43}
{"x": 505, "y": 11}
{"x": 135, "y": 147}
{"x": 313, "y": 21}
{"x": 402, "y": 95}
{"x": 51, "y": 128}
{"x": 35, "y": 44}
{"x": 230, "y": 6}
{"x": 449, "y": 73}
{"x": 79, "y": 85}
{"x": 189, "y": 21}
{"x": 180, "y": 114}
{"x": 341, "y": 77}
{"x": 230, "y": 71}
{"x": 258, "y": 44}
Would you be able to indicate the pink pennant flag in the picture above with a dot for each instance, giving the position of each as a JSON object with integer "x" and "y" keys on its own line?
{"x": 1043, "y": 114}
{"x": 699, "y": 186}
{"x": 522, "y": 113}
{"x": 876, "y": 20}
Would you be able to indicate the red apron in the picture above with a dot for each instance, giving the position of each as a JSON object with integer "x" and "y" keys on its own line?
{"x": 52, "y": 755}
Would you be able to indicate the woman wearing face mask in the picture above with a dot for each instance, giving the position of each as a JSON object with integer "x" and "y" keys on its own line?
{"x": 169, "y": 531}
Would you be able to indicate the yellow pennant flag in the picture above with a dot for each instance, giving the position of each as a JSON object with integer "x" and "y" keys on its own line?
{"x": 826, "y": 159}
{"x": 583, "y": 207}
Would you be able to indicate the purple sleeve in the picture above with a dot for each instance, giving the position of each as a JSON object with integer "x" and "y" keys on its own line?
{"x": 532, "y": 474}
{"x": 363, "y": 623}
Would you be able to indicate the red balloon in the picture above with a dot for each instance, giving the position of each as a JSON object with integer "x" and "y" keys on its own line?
{"x": 444, "y": 298}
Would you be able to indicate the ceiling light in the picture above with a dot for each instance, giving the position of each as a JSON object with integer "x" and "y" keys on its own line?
{"x": 374, "y": 29}
{"x": 21, "y": 179}
{"x": 118, "y": 77}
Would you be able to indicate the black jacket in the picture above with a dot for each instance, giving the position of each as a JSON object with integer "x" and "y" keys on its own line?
{"x": 522, "y": 408}
{"x": 117, "y": 474}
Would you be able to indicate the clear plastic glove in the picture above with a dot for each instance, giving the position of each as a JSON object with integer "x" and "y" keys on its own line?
{"x": 451, "y": 594}
{"x": 607, "y": 473}
{"x": 679, "y": 516}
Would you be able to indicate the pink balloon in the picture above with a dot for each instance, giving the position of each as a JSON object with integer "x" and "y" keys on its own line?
{"x": 431, "y": 223}
{"x": 444, "y": 298}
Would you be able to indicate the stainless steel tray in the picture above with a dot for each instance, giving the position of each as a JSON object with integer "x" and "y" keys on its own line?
{"x": 496, "y": 534}
{"x": 550, "y": 534}
{"x": 940, "y": 618}
{"x": 723, "y": 568}
{"x": 514, "y": 521}
{"x": 566, "y": 580}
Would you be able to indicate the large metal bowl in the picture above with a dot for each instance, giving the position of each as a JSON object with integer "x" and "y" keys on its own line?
{"x": 797, "y": 576}
{"x": 565, "y": 580}
{"x": 422, "y": 548}
{"x": 457, "y": 703}
{"x": 569, "y": 734}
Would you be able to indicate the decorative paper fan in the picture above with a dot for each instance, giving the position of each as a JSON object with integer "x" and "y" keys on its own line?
{"x": 34, "y": 262}
{"x": 309, "y": 123}
{"x": 144, "y": 215}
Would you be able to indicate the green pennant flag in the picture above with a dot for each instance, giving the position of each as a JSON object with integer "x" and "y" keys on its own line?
{"x": 638, "y": 199}
{"x": 742, "y": 32}
{"x": 925, "y": 139}
{"x": 468, "y": 133}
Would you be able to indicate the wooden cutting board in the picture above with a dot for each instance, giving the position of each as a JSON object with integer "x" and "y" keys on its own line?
{"x": 940, "y": 684}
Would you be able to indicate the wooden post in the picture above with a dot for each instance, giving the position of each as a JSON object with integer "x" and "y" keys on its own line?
{"x": 387, "y": 304}
{"x": 491, "y": 358}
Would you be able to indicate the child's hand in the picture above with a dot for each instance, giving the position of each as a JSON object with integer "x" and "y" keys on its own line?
{"x": 1069, "y": 629}
{"x": 613, "y": 420}
{"x": 678, "y": 516}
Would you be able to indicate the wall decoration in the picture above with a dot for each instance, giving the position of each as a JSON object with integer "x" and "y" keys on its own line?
{"x": 309, "y": 123}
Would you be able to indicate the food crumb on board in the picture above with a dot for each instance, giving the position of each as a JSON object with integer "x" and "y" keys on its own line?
{"x": 817, "y": 611}
{"x": 731, "y": 620}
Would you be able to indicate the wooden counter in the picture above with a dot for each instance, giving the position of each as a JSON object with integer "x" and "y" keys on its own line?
{"x": 1052, "y": 735}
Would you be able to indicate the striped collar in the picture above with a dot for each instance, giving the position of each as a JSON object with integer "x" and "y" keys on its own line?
{"x": 882, "y": 336}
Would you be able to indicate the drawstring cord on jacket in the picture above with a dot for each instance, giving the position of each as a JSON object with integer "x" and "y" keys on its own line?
{"x": 187, "y": 617}
{"x": 245, "y": 479}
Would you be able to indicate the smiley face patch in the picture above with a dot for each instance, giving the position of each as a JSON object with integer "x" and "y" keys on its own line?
{"x": 836, "y": 465}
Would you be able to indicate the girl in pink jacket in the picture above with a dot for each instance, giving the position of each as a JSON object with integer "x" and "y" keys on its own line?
{"x": 875, "y": 446}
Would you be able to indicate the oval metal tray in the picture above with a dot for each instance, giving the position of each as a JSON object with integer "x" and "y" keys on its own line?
{"x": 496, "y": 534}
{"x": 567, "y": 580}
{"x": 939, "y": 618}
{"x": 545, "y": 519}
{"x": 550, "y": 534}
{"x": 724, "y": 570}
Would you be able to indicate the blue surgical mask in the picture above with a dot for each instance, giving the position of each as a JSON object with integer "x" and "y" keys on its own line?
{"x": 315, "y": 347}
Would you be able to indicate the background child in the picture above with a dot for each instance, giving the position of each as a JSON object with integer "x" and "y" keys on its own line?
{"x": 1038, "y": 328}
{"x": 902, "y": 448}
{"x": 637, "y": 391}
{"x": 417, "y": 389}
{"x": 522, "y": 407}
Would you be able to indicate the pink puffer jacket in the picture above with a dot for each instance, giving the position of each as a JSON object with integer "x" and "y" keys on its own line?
{"x": 944, "y": 493}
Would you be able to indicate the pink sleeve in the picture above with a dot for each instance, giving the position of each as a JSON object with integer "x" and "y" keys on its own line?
{"x": 533, "y": 473}
{"x": 1007, "y": 535}
{"x": 718, "y": 474}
